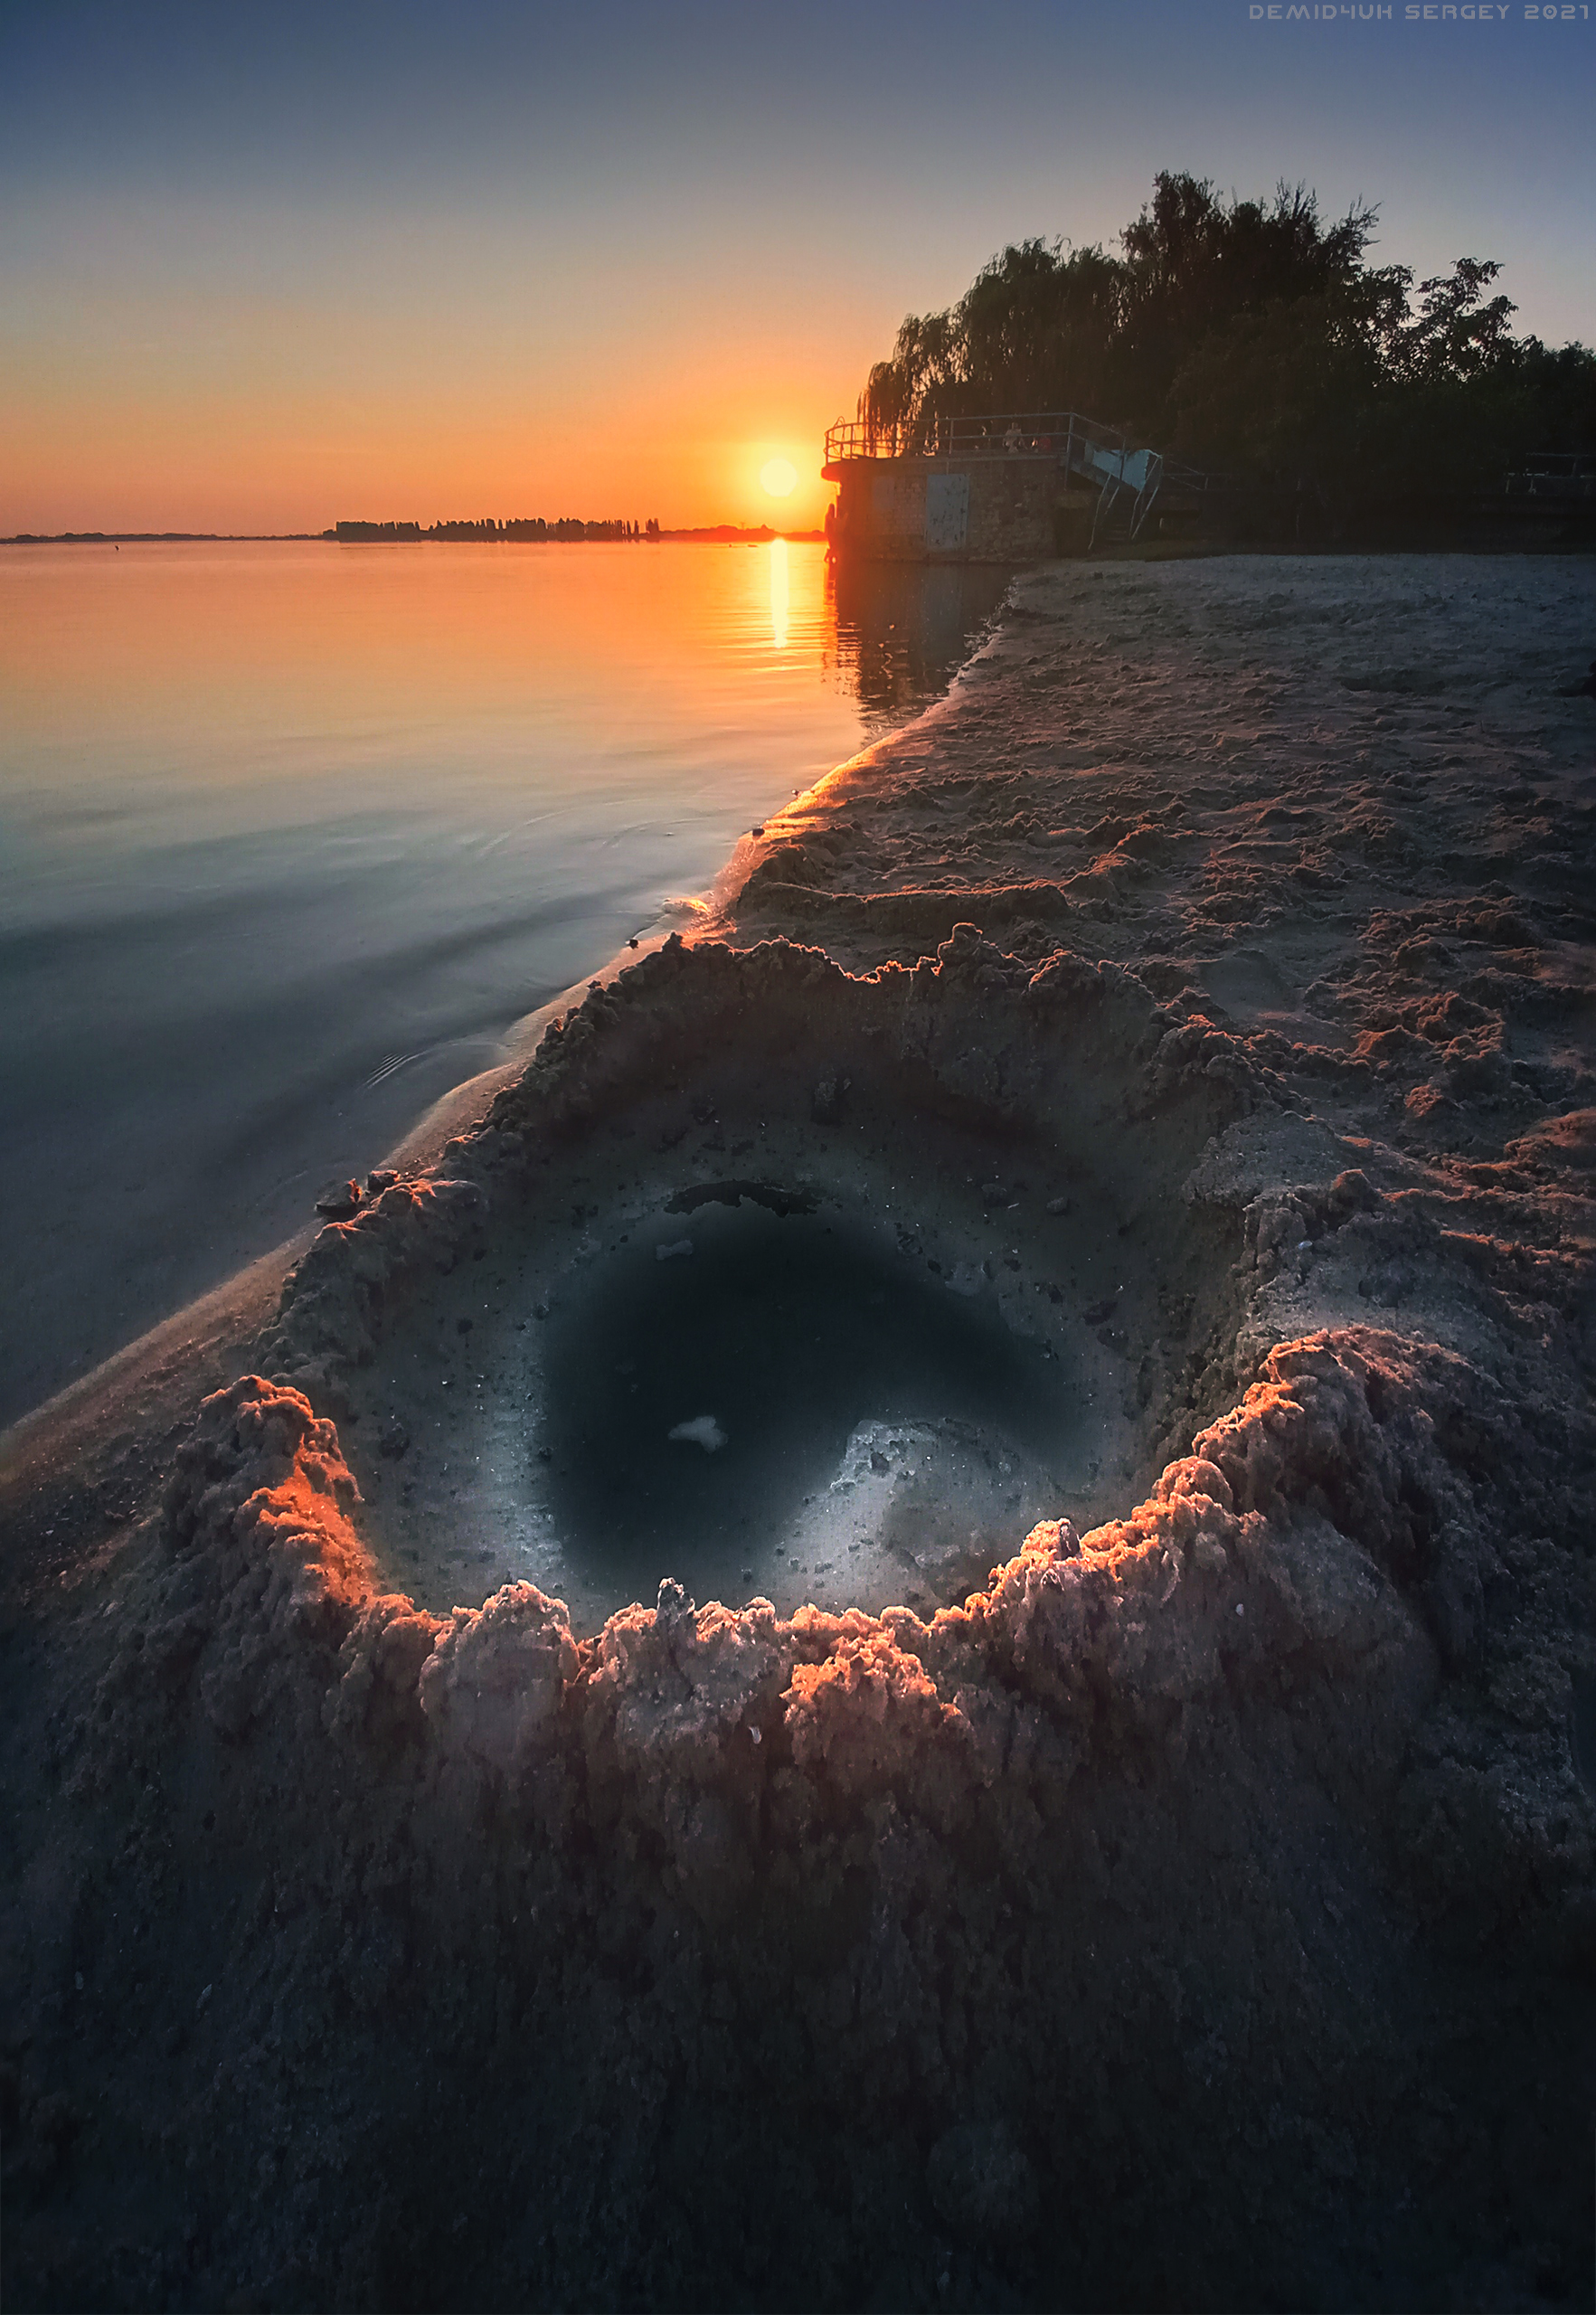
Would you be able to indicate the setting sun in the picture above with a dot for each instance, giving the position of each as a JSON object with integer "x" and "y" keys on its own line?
{"x": 779, "y": 477}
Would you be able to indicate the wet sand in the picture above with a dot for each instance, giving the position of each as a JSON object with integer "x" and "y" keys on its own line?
{"x": 1157, "y": 1871}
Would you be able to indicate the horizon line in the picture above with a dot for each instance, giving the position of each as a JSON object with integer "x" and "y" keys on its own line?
{"x": 330, "y": 537}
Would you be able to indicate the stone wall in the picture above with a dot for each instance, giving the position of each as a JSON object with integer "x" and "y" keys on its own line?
{"x": 948, "y": 510}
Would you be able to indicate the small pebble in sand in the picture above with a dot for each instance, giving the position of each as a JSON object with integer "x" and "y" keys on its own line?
{"x": 704, "y": 1432}
{"x": 1058, "y": 1205}
{"x": 338, "y": 1205}
{"x": 382, "y": 1178}
{"x": 394, "y": 1440}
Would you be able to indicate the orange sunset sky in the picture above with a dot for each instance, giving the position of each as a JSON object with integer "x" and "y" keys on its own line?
{"x": 264, "y": 268}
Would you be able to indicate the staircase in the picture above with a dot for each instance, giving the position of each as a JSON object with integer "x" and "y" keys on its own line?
{"x": 1127, "y": 483}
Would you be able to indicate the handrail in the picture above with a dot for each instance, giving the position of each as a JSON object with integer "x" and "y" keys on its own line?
{"x": 1554, "y": 473}
{"x": 992, "y": 434}
{"x": 1068, "y": 436}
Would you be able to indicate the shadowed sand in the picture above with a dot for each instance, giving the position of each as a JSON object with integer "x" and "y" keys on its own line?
{"x": 1121, "y": 1831}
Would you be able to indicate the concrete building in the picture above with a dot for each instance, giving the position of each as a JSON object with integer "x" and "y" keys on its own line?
{"x": 1014, "y": 487}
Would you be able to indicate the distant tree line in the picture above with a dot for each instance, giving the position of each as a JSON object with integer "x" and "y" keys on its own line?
{"x": 519, "y": 526}
{"x": 111, "y": 538}
{"x": 1253, "y": 337}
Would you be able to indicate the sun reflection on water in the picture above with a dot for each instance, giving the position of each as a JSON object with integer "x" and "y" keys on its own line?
{"x": 778, "y": 594}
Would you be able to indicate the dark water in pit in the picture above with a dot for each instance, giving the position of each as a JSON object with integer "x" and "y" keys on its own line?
{"x": 785, "y": 1332}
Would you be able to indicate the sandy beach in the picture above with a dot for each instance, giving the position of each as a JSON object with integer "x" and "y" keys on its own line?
{"x": 1111, "y": 1824}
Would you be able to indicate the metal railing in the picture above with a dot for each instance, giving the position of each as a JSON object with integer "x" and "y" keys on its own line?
{"x": 1001, "y": 434}
{"x": 1554, "y": 473}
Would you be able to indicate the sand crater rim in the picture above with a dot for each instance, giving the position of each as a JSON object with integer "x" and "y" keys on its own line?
{"x": 829, "y": 1296}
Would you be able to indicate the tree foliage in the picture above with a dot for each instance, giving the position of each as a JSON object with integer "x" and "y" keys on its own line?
{"x": 1253, "y": 336}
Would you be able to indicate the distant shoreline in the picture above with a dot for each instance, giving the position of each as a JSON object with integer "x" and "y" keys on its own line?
{"x": 716, "y": 533}
{"x": 160, "y": 538}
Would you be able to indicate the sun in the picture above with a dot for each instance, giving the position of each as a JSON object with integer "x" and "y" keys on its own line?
{"x": 779, "y": 477}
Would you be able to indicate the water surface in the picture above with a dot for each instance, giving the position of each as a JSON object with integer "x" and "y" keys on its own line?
{"x": 704, "y": 1385}
{"x": 291, "y": 835}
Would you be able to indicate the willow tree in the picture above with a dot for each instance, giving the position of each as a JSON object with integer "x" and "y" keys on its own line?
{"x": 1047, "y": 326}
{"x": 1250, "y": 336}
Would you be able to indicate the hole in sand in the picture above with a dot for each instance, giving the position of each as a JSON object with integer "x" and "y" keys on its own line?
{"x": 759, "y": 1401}
{"x": 858, "y": 1385}
{"x": 795, "y": 1316}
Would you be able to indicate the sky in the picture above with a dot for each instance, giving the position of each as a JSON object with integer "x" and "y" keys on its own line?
{"x": 263, "y": 267}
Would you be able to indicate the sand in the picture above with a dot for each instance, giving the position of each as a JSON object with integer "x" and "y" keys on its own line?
{"x": 1124, "y": 1839}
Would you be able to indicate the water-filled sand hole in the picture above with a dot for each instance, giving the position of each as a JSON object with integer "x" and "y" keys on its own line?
{"x": 849, "y": 1356}
{"x": 768, "y": 1396}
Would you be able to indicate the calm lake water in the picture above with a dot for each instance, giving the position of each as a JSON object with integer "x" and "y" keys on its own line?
{"x": 291, "y": 835}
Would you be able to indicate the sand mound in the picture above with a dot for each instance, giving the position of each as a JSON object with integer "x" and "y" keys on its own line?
{"x": 1212, "y": 1829}
{"x": 1248, "y": 1795}
{"x": 912, "y": 1249}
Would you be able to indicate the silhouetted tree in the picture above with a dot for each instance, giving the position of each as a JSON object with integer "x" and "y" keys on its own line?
{"x": 1252, "y": 336}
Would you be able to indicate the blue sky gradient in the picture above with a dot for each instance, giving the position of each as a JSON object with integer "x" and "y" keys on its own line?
{"x": 256, "y": 261}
